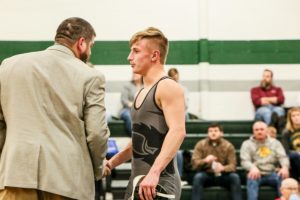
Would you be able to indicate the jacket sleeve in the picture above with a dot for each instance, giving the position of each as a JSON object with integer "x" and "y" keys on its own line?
{"x": 2, "y": 124}
{"x": 97, "y": 132}
{"x": 245, "y": 155}
{"x": 198, "y": 157}
{"x": 280, "y": 96}
{"x": 2, "y": 130}
{"x": 255, "y": 97}
{"x": 231, "y": 166}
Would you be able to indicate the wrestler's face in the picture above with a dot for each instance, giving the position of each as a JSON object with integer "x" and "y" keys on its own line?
{"x": 140, "y": 56}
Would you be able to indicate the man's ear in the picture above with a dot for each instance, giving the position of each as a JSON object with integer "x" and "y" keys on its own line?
{"x": 81, "y": 44}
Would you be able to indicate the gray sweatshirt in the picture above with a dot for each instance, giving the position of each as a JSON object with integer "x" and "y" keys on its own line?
{"x": 264, "y": 155}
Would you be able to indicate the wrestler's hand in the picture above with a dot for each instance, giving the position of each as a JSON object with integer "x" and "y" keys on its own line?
{"x": 147, "y": 187}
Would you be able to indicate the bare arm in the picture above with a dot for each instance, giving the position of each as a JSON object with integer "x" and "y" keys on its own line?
{"x": 121, "y": 157}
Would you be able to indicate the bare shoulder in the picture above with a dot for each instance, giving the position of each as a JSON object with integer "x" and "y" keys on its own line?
{"x": 169, "y": 86}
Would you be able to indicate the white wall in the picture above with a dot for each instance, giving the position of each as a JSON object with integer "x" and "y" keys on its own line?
{"x": 112, "y": 19}
{"x": 179, "y": 20}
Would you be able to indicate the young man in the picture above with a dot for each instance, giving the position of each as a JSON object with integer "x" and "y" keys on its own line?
{"x": 53, "y": 132}
{"x": 267, "y": 100}
{"x": 215, "y": 161}
{"x": 260, "y": 156}
{"x": 158, "y": 119}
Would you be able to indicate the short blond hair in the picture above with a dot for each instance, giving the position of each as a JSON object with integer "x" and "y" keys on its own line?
{"x": 157, "y": 37}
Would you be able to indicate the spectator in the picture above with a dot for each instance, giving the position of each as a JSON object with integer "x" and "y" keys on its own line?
{"x": 127, "y": 97}
{"x": 214, "y": 159}
{"x": 174, "y": 74}
{"x": 289, "y": 187}
{"x": 267, "y": 100}
{"x": 260, "y": 156}
{"x": 291, "y": 140}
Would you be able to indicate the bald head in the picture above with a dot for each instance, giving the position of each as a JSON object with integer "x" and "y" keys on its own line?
{"x": 260, "y": 131}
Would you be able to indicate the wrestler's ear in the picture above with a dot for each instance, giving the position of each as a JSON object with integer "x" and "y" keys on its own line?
{"x": 155, "y": 55}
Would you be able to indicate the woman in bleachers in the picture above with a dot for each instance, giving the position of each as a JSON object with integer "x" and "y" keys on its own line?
{"x": 291, "y": 140}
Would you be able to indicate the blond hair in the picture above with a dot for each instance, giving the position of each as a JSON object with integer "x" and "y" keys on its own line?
{"x": 157, "y": 37}
{"x": 289, "y": 124}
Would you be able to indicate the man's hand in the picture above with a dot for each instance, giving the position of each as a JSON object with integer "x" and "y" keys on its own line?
{"x": 219, "y": 168}
{"x": 265, "y": 101}
{"x": 210, "y": 159}
{"x": 254, "y": 173}
{"x": 283, "y": 172}
{"x": 106, "y": 168}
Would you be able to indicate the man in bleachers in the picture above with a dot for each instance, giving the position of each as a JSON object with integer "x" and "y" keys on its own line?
{"x": 215, "y": 161}
{"x": 267, "y": 100}
{"x": 260, "y": 156}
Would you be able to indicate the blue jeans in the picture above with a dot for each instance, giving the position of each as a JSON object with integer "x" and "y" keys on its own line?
{"x": 264, "y": 113}
{"x": 126, "y": 117}
{"x": 295, "y": 164}
{"x": 272, "y": 180}
{"x": 230, "y": 181}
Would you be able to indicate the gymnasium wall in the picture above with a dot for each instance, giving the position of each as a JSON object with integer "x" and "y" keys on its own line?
{"x": 219, "y": 47}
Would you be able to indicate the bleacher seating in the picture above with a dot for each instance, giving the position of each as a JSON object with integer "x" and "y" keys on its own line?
{"x": 234, "y": 131}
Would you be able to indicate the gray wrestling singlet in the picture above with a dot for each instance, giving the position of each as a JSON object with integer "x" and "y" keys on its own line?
{"x": 149, "y": 129}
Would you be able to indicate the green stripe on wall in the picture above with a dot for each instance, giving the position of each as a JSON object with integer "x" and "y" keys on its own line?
{"x": 182, "y": 52}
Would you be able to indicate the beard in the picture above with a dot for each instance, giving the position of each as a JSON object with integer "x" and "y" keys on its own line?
{"x": 84, "y": 57}
{"x": 265, "y": 85}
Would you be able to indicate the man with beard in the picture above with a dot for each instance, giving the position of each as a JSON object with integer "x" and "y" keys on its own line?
{"x": 264, "y": 159}
{"x": 215, "y": 162}
{"x": 267, "y": 100}
{"x": 53, "y": 132}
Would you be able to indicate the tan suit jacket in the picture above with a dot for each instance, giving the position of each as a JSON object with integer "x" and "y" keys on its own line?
{"x": 53, "y": 133}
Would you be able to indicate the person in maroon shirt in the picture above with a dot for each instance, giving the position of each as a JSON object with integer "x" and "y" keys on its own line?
{"x": 267, "y": 99}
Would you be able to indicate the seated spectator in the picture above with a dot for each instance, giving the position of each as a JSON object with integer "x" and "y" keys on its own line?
{"x": 272, "y": 132}
{"x": 260, "y": 156}
{"x": 215, "y": 161}
{"x": 291, "y": 140}
{"x": 289, "y": 190}
{"x": 267, "y": 100}
{"x": 127, "y": 97}
{"x": 174, "y": 74}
